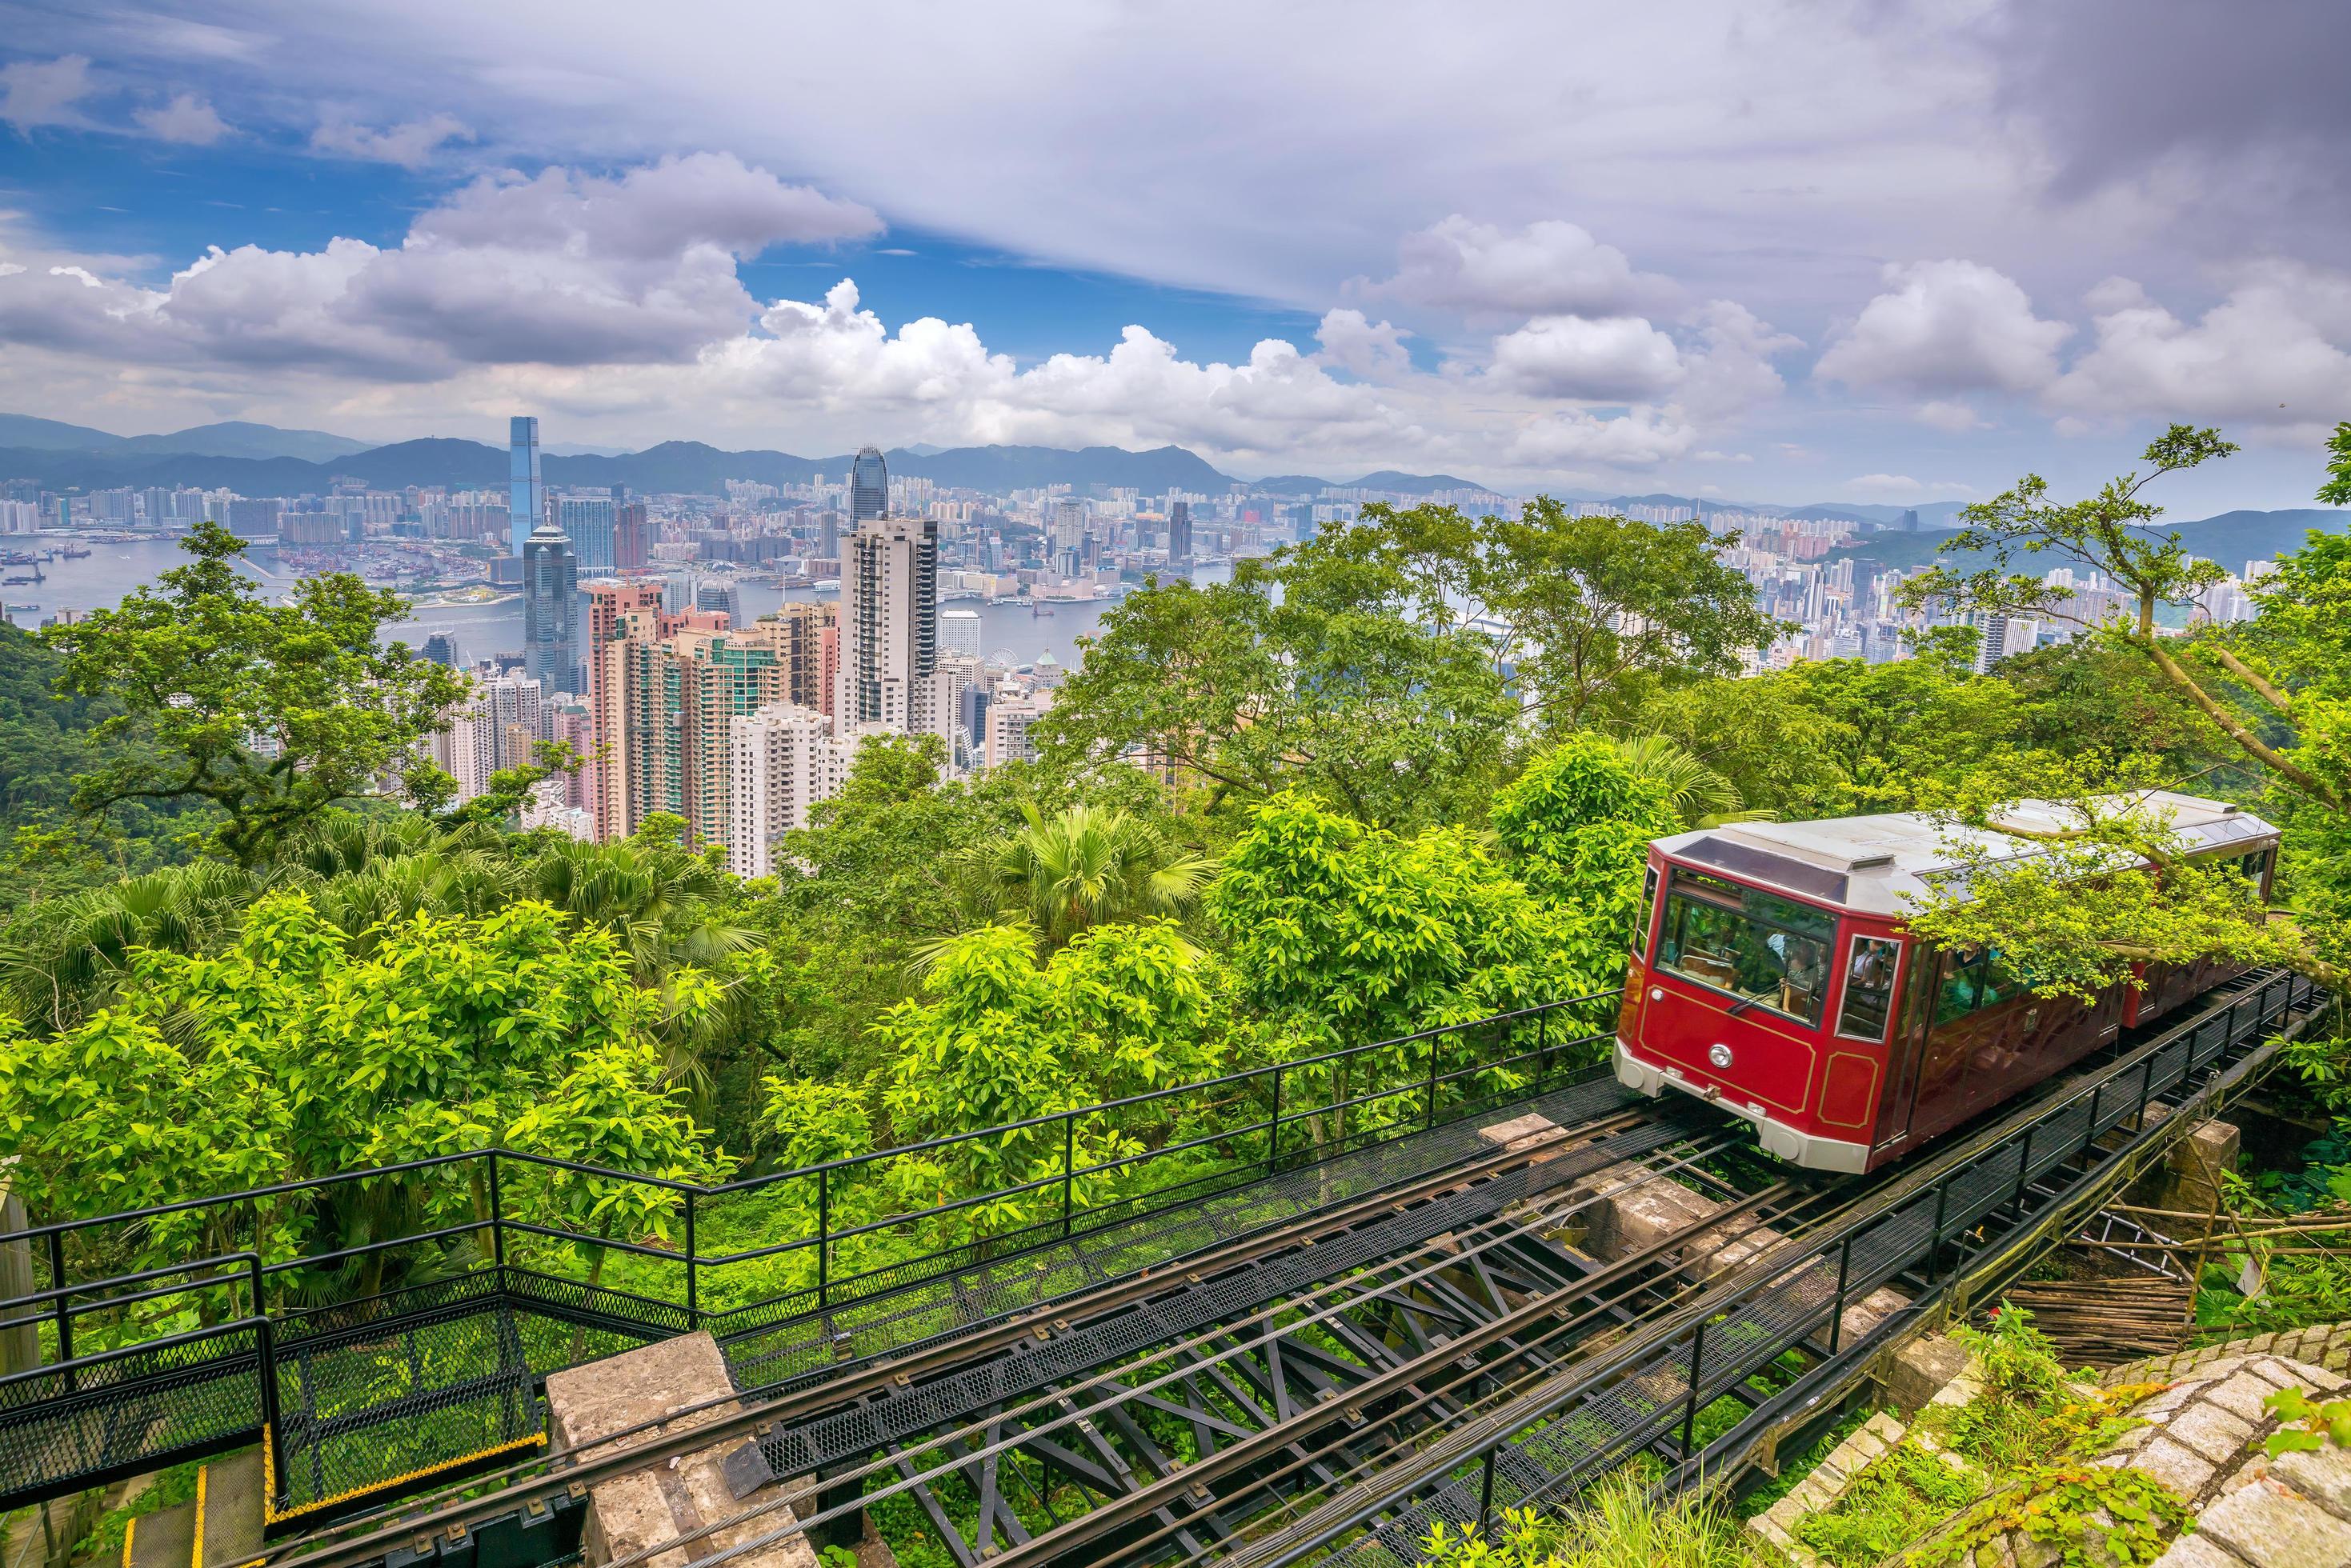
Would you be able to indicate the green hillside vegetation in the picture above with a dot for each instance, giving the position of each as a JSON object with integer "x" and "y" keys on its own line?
{"x": 249, "y": 940}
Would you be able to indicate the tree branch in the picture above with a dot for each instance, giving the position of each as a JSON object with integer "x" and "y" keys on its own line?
{"x": 2233, "y": 727}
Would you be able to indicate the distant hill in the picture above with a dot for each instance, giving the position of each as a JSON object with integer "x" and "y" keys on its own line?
{"x": 232, "y": 438}
{"x": 2233, "y": 538}
{"x": 1002, "y": 468}
{"x": 1289, "y": 484}
{"x": 237, "y": 438}
{"x": 1388, "y": 479}
{"x": 673, "y": 466}
{"x": 25, "y": 433}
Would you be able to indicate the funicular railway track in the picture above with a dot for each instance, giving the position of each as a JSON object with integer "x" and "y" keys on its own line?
{"x": 1462, "y": 1371}
{"x": 1261, "y": 1329}
{"x": 1353, "y": 1351}
{"x": 1960, "y": 1223}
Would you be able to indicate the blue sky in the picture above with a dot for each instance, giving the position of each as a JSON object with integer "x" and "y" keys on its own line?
{"x": 1885, "y": 252}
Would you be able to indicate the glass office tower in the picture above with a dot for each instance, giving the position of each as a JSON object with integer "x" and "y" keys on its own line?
{"x": 869, "y": 486}
{"x": 526, "y": 489}
{"x": 551, "y": 606}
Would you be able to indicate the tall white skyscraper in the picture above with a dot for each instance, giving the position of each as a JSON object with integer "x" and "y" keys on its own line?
{"x": 889, "y": 624}
{"x": 526, "y": 489}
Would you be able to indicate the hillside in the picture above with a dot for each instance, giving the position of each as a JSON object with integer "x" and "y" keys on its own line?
{"x": 2233, "y": 538}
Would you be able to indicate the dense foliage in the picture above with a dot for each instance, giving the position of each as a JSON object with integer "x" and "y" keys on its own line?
{"x": 1415, "y": 763}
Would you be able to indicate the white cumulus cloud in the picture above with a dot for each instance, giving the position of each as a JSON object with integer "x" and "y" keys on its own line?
{"x": 1547, "y": 268}
{"x": 2275, "y": 351}
{"x": 1612, "y": 359}
{"x": 186, "y": 119}
{"x": 1363, "y": 347}
{"x": 43, "y": 92}
{"x": 1944, "y": 326}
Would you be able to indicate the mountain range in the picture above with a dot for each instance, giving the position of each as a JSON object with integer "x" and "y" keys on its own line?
{"x": 2233, "y": 538}
{"x": 263, "y": 459}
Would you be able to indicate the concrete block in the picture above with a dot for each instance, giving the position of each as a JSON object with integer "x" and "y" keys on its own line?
{"x": 1638, "y": 1214}
{"x": 644, "y": 1508}
{"x": 2177, "y": 1466}
{"x": 2241, "y": 1396}
{"x": 2294, "y": 1373}
{"x": 2210, "y": 1430}
{"x": 2189, "y": 1178}
{"x": 1522, "y": 1133}
{"x": 2321, "y": 1475}
{"x": 1922, "y": 1369}
{"x": 2270, "y": 1525}
{"x": 2195, "y": 1552}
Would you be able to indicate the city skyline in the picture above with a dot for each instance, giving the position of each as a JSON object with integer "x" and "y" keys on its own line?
{"x": 1683, "y": 267}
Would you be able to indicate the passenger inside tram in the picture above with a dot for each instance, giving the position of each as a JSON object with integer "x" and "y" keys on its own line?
{"x": 1768, "y": 951}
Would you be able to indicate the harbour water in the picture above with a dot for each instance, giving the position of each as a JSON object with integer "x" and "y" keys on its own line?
{"x": 1009, "y": 632}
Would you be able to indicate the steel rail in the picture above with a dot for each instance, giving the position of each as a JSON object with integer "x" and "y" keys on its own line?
{"x": 1079, "y": 1533}
{"x": 1453, "y": 1350}
{"x": 753, "y": 1410}
{"x": 1388, "y": 1491}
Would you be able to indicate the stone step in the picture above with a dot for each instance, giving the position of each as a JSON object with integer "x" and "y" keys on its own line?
{"x": 219, "y": 1528}
{"x": 233, "y": 1510}
{"x": 163, "y": 1538}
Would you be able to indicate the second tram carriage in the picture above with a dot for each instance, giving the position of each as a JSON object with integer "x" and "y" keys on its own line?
{"x": 1772, "y": 975}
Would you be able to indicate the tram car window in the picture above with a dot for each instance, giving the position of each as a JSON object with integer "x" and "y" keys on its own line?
{"x": 1767, "y": 950}
{"x": 1773, "y": 976}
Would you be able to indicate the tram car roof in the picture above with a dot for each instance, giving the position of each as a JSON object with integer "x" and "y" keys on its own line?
{"x": 1885, "y": 865}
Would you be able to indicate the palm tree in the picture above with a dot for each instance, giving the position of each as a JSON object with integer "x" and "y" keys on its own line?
{"x": 60, "y": 958}
{"x": 1084, "y": 867}
{"x": 1701, "y": 797}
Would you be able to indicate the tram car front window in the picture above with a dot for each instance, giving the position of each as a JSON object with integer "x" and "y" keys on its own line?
{"x": 1767, "y": 950}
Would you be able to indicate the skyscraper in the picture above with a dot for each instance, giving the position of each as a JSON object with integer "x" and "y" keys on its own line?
{"x": 632, "y": 533}
{"x": 590, "y": 523}
{"x": 890, "y": 614}
{"x": 525, "y": 490}
{"x": 869, "y": 486}
{"x": 550, "y": 594}
{"x": 1179, "y": 531}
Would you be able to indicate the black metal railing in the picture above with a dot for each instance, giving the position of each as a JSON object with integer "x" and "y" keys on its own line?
{"x": 292, "y": 1349}
{"x": 1647, "y": 1397}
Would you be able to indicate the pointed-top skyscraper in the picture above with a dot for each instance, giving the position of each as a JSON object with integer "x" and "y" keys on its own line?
{"x": 551, "y": 606}
{"x": 869, "y": 487}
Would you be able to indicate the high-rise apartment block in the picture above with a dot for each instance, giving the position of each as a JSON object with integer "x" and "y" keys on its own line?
{"x": 664, "y": 689}
{"x": 889, "y": 611}
{"x": 550, "y": 610}
{"x": 785, "y": 759}
{"x": 500, "y": 725}
{"x": 1179, "y": 531}
{"x": 526, "y": 488}
{"x": 632, "y": 536}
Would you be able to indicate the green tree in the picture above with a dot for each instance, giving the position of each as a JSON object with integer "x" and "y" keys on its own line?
{"x": 1085, "y": 867}
{"x": 294, "y": 1051}
{"x": 2275, "y": 692}
{"x": 1315, "y": 667}
{"x": 271, "y": 713}
{"x": 1604, "y": 609}
{"x": 1339, "y": 934}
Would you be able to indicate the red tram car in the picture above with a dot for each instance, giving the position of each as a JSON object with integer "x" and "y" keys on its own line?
{"x": 1772, "y": 975}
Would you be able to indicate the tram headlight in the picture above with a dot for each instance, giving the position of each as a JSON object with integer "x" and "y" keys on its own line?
{"x": 1719, "y": 1054}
